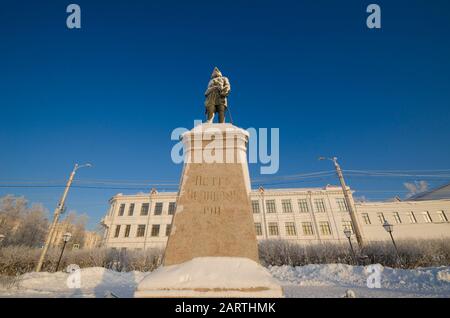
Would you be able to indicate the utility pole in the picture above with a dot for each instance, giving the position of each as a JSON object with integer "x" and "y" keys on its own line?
{"x": 56, "y": 214}
{"x": 348, "y": 201}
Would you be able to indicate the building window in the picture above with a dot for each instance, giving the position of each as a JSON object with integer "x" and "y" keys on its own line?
{"x": 172, "y": 208}
{"x": 381, "y": 218}
{"x": 258, "y": 229}
{"x": 397, "y": 218}
{"x": 347, "y": 225}
{"x": 427, "y": 217}
{"x": 303, "y": 205}
{"x": 144, "y": 208}
{"x": 307, "y": 228}
{"x": 320, "y": 205}
{"x": 342, "y": 204}
{"x": 111, "y": 209}
{"x": 116, "y": 234}
{"x": 290, "y": 229}
{"x": 131, "y": 209}
{"x": 270, "y": 204}
{"x": 121, "y": 209}
{"x": 286, "y": 205}
{"x": 158, "y": 208}
{"x": 168, "y": 227}
{"x": 366, "y": 218}
{"x": 140, "y": 230}
{"x": 325, "y": 228}
{"x": 273, "y": 229}
{"x": 442, "y": 216}
{"x": 255, "y": 206}
{"x": 412, "y": 217}
{"x": 127, "y": 230}
{"x": 155, "y": 230}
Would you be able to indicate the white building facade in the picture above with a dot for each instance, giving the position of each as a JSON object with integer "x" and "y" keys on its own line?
{"x": 302, "y": 215}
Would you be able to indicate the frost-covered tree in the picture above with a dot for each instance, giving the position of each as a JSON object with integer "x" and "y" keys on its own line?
{"x": 12, "y": 211}
{"x": 73, "y": 223}
{"x": 21, "y": 224}
{"x": 33, "y": 227}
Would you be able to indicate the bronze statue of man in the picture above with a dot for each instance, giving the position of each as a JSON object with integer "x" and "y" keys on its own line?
{"x": 216, "y": 96}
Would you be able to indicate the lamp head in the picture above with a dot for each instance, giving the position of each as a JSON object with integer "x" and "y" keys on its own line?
{"x": 348, "y": 233}
{"x": 86, "y": 165}
{"x": 67, "y": 236}
{"x": 388, "y": 227}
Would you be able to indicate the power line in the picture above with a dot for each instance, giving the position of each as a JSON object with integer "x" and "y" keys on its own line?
{"x": 78, "y": 186}
{"x": 373, "y": 174}
{"x": 424, "y": 170}
{"x": 287, "y": 179}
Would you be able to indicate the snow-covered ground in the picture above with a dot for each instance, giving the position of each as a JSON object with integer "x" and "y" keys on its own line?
{"x": 330, "y": 280}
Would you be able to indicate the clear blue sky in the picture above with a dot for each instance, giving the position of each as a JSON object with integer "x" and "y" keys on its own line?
{"x": 112, "y": 92}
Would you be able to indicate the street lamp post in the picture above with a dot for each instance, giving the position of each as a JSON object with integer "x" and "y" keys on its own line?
{"x": 66, "y": 237}
{"x": 348, "y": 234}
{"x": 56, "y": 214}
{"x": 261, "y": 192}
{"x": 390, "y": 228}
{"x": 349, "y": 203}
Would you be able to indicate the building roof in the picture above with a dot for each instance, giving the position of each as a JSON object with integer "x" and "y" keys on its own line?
{"x": 442, "y": 192}
{"x": 328, "y": 187}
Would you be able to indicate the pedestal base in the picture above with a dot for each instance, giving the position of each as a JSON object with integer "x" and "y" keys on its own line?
{"x": 211, "y": 277}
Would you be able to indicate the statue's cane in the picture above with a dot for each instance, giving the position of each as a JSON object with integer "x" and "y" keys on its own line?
{"x": 229, "y": 113}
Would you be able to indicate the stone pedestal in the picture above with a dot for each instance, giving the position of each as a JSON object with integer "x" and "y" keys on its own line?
{"x": 213, "y": 218}
{"x": 213, "y": 215}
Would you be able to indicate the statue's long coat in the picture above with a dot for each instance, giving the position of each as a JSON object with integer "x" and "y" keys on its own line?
{"x": 218, "y": 90}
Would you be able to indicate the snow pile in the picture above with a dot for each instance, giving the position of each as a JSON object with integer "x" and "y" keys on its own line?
{"x": 421, "y": 279}
{"x": 203, "y": 275}
{"x": 444, "y": 275}
{"x": 94, "y": 282}
{"x": 210, "y": 272}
